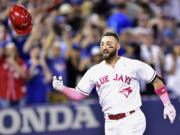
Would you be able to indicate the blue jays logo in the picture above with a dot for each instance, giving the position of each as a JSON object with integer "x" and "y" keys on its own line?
{"x": 126, "y": 91}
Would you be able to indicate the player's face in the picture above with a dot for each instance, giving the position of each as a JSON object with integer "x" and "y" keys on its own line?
{"x": 109, "y": 47}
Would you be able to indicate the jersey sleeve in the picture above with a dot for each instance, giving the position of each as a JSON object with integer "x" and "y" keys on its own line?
{"x": 145, "y": 72}
{"x": 86, "y": 83}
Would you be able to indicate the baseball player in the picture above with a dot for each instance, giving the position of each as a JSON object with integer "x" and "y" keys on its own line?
{"x": 117, "y": 83}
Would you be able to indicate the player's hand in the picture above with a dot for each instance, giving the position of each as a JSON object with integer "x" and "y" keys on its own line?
{"x": 170, "y": 112}
{"x": 58, "y": 83}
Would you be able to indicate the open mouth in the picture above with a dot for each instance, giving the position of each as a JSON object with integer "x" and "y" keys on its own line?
{"x": 105, "y": 52}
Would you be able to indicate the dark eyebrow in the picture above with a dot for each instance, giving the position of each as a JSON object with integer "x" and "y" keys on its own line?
{"x": 109, "y": 41}
{"x": 106, "y": 42}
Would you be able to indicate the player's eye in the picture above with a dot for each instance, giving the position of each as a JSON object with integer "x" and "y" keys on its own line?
{"x": 109, "y": 44}
{"x": 101, "y": 45}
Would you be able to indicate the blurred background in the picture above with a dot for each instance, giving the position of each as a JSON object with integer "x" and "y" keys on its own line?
{"x": 65, "y": 41}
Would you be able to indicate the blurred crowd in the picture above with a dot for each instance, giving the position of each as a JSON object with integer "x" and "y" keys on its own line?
{"x": 65, "y": 41}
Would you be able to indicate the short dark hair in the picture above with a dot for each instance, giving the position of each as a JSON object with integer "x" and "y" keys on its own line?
{"x": 111, "y": 34}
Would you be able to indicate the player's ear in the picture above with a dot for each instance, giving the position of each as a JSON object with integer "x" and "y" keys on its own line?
{"x": 118, "y": 46}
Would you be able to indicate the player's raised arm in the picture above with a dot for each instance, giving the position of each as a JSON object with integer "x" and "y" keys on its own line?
{"x": 71, "y": 93}
{"x": 161, "y": 91}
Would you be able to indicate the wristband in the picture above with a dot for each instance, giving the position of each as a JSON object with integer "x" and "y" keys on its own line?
{"x": 161, "y": 90}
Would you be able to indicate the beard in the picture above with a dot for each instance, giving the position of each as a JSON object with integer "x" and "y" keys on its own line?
{"x": 109, "y": 55}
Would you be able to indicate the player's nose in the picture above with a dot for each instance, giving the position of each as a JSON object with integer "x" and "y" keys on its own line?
{"x": 105, "y": 47}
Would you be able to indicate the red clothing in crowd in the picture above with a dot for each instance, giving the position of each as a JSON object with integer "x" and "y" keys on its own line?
{"x": 12, "y": 85}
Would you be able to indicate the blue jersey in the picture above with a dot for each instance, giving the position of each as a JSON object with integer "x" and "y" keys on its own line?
{"x": 37, "y": 88}
{"x": 118, "y": 22}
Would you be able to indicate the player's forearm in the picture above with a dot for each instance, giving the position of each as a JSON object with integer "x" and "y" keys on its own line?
{"x": 73, "y": 94}
{"x": 161, "y": 91}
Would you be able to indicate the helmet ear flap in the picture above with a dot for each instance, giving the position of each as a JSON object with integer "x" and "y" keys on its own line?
{"x": 20, "y": 19}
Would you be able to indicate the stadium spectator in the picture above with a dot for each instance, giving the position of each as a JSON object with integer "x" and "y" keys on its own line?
{"x": 57, "y": 66}
{"x": 172, "y": 68}
{"x": 119, "y": 19}
{"x": 151, "y": 54}
{"x": 38, "y": 78}
{"x": 12, "y": 77}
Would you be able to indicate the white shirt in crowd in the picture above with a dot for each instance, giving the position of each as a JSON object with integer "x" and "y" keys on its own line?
{"x": 173, "y": 80}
